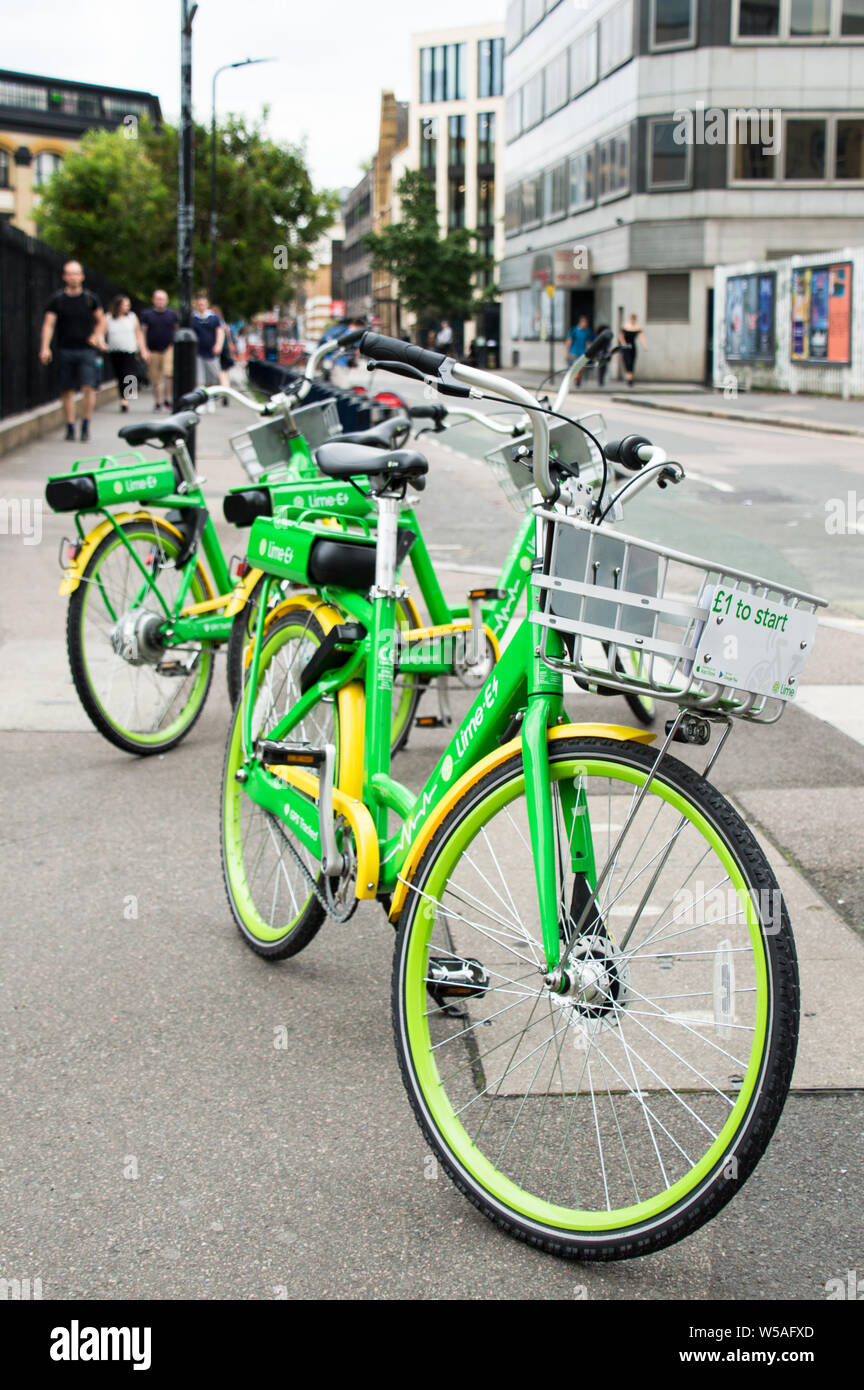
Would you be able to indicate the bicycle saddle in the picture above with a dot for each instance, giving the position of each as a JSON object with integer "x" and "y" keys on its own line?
{"x": 390, "y": 465}
{"x": 380, "y": 436}
{"x": 168, "y": 431}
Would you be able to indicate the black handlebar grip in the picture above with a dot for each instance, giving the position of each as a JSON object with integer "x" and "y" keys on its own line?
{"x": 428, "y": 412}
{"x": 394, "y": 350}
{"x": 192, "y": 398}
{"x": 599, "y": 345}
{"x": 349, "y": 339}
{"x": 626, "y": 451}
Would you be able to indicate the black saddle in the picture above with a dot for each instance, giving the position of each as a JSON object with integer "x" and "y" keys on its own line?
{"x": 380, "y": 436}
{"x": 390, "y": 466}
{"x": 168, "y": 431}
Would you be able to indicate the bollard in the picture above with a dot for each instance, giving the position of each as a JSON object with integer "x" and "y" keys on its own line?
{"x": 185, "y": 370}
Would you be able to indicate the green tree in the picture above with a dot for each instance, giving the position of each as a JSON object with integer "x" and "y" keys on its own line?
{"x": 113, "y": 204}
{"x": 434, "y": 274}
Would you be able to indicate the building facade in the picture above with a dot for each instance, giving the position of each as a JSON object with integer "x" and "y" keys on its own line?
{"x": 356, "y": 260}
{"x": 455, "y": 130}
{"x": 649, "y": 141}
{"x": 41, "y": 119}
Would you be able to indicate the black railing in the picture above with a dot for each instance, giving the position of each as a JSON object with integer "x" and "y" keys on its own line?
{"x": 30, "y": 272}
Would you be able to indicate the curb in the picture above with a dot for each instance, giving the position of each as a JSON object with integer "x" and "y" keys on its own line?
{"x": 18, "y": 430}
{"x": 785, "y": 422}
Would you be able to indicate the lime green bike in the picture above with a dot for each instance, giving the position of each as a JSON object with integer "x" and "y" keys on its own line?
{"x": 594, "y": 993}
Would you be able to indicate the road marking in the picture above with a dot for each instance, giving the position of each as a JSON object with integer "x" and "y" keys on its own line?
{"x": 709, "y": 482}
{"x": 843, "y": 624}
{"x": 842, "y": 706}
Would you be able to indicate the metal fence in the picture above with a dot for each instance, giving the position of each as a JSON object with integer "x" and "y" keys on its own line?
{"x": 30, "y": 272}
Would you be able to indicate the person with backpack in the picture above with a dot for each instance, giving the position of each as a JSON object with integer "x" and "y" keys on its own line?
{"x": 74, "y": 328}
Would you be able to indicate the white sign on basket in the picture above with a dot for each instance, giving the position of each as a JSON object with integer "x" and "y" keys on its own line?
{"x": 753, "y": 644}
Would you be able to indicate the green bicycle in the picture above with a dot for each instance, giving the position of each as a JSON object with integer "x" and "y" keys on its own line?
{"x": 595, "y": 995}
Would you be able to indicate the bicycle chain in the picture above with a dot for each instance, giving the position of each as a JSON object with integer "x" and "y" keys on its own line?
{"x": 324, "y": 899}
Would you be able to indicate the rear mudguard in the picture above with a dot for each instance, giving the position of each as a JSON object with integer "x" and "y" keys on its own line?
{"x": 74, "y": 573}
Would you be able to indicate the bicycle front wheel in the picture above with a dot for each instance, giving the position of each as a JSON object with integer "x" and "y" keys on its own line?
{"x": 140, "y": 693}
{"x": 616, "y": 1118}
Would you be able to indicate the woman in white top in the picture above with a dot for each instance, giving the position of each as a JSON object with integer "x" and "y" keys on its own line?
{"x": 124, "y": 338}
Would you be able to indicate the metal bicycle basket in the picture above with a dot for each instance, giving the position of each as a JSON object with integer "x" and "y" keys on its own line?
{"x": 266, "y": 446}
{"x": 637, "y": 617}
{"x": 566, "y": 441}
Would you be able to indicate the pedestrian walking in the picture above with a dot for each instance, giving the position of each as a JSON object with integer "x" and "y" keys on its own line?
{"x": 210, "y": 332}
{"x": 226, "y": 356}
{"x": 125, "y": 341}
{"x": 444, "y": 337}
{"x": 160, "y": 325}
{"x": 628, "y": 338}
{"x": 74, "y": 323}
{"x": 579, "y": 337}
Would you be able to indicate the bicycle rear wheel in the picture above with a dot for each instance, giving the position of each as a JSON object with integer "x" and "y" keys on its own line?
{"x": 617, "y": 1118}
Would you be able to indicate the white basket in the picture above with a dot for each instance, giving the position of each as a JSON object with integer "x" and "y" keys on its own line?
{"x": 566, "y": 441}
{"x": 266, "y": 446}
{"x": 649, "y": 607}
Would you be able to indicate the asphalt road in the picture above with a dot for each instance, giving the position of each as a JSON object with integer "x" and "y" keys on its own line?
{"x": 159, "y": 1144}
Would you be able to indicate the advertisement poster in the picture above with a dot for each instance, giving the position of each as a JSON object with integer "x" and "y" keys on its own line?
{"x": 750, "y": 318}
{"x": 822, "y": 314}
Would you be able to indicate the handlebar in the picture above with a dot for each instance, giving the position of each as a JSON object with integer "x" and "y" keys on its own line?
{"x": 632, "y": 452}
{"x": 376, "y": 345}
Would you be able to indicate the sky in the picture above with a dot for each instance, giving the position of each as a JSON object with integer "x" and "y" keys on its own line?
{"x": 334, "y": 59}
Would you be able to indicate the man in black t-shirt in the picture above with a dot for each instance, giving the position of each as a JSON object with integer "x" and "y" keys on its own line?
{"x": 75, "y": 320}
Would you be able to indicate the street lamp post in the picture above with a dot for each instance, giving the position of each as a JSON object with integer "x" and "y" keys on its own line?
{"x": 243, "y": 63}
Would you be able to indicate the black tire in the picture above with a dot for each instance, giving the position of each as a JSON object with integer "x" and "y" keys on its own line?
{"x": 711, "y": 1187}
{"x": 242, "y": 632}
{"x": 153, "y": 533}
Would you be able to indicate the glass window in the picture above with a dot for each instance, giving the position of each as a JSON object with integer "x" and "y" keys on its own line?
{"x": 512, "y": 209}
{"x": 754, "y": 162}
{"x": 616, "y": 37}
{"x": 514, "y": 23}
{"x": 452, "y": 76}
{"x": 582, "y": 180}
{"x": 486, "y": 137}
{"x": 557, "y": 93}
{"x": 429, "y": 142}
{"x": 19, "y": 94}
{"x": 810, "y": 17}
{"x": 850, "y": 149}
{"x": 497, "y": 67}
{"x": 534, "y": 11}
{"x": 461, "y": 74}
{"x": 852, "y": 18}
{"x": 438, "y": 74}
{"x": 456, "y": 203}
{"x": 44, "y": 165}
{"x": 532, "y": 102}
{"x": 583, "y": 62}
{"x": 513, "y": 115}
{"x": 555, "y": 190}
{"x": 669, "y": 162}
{"x": 425, "y": 74}
{"x": 759, "y": 19}
{"x": 804, "y": 145}
{"x": 613, "y": 165}
{"x": 456, "y": 140}
{"x": 490, "y": 67}
{"x": 5, "y": 168}
{"x": 532, "y": 201}
{"x": 485, "y": 202}
{"x": 673, "y": 22}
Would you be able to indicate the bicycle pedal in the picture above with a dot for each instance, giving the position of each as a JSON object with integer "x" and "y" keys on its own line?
{"x": 456, "y": 977}
{"x": 487, "y": 595}
{"x": 430, "y": 721}
{"x": 176, "y": 669}
{"x": 276, "y": 754}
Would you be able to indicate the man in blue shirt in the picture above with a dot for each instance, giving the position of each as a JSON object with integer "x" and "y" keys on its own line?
{"x": 578, "y": 341}
{"x": 210, "y": 332}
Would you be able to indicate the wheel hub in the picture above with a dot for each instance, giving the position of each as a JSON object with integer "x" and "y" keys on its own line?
{"x": 472, "y": 673}
{"x": 136, "y": 638}
{"x": 594, "y": 980}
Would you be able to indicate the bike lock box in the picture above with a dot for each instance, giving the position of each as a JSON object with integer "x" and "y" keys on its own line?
{"x": 94, "y": 483}
{"x": 311, "y": 555}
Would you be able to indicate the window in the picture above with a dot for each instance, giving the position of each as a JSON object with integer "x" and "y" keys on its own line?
{"x": 668, "y": 299}
{"x": 486, "y": 137}
{"x": 490, "y": 67}
{"x": 456, "y": 140}
{"x": 5, "y": 169}
{"x": 534, "y": 11}
{"x": 555, "y": 191}
{"x": 582, "y": 180}
{"x": 804, "y": 147}
{"x": 20, "y": 94}
{"x": 116, "y": 106}
{"x": 814, "y": 148}
{"x": 616, "y": 37}
{"x": 583, "y": 62}
{"x": 613, "y": 166}
{"x": 532, "y": 102}
{"x": 796, "y": 21}
{"x": 671, "y": 23}
{"x": 513, "y": 115}
{"x": 850, "y": 150}
{"x": 556, "y": 86}
{"x": 44, "y": 165}
{"x": 669, "y": 164}
{"x": 456, "y": 204}
{"x": 429, "y": 142}
{"x": 513, "y": 209}
{"x": 515, "y": 29}
{"x": 485, "y": 202}
{"x": 532, "y": 201}
{"x": 442, "y": 73}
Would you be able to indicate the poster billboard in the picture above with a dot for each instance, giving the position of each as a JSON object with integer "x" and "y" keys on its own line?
{"x": 822, "y": 314}
{"x": 750, "y": 302}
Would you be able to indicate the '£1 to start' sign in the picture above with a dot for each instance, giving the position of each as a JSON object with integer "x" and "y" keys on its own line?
{"x": 751, "y": 644}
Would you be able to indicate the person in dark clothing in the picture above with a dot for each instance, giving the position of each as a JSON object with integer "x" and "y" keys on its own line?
{"x": 75, "y": 322}
{"x": 210, "y": 332}
{"x": 628, "y": 339}
{"x": 160, "y": 324}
